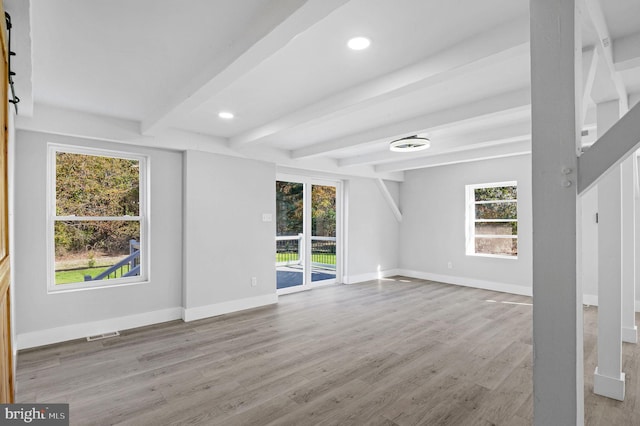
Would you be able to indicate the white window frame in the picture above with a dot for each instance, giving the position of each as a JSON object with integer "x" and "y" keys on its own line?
{"x": 471, "y": 219}
{"x": 143, "y": 218}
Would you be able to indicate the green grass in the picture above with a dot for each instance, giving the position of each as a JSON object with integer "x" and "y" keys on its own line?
{"x": 77, "y": 276}
{"x": 329, "y": 259}
{"x": 286, "y": 257}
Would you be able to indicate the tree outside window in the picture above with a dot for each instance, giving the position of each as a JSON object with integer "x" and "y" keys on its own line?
{"x": 98, "y": 217}
{"x": 492, "y": 219}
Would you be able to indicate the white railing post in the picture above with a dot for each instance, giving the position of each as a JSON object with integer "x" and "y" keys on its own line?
{"x": 628, "y": 187}
{"x": 301, "y": 249}
{"x": 608, "y": 379}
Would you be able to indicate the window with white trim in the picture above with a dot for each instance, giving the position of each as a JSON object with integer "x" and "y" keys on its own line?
{"x": 492, "y": 219}
{"x": 97, "y": 218}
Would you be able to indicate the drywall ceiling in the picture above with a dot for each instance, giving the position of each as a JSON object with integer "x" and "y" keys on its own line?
{"x": 456, "y": 71}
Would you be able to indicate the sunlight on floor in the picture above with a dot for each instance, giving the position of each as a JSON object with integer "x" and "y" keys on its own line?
{"x": 395, "y": 280}
{"x": 509, "y": 303}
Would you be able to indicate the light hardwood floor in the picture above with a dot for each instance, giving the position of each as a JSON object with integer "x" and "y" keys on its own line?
{"x": 392, "y": 352}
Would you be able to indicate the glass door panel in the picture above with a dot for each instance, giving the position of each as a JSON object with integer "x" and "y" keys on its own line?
{"x": 323, "y": 233}
{"x": 290, "y": 244}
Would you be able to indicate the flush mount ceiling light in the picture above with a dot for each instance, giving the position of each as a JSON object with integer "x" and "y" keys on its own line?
{"x": 410, "y": 144}
{"x": 358, "y": 43}
{"x": 226, "y": 115}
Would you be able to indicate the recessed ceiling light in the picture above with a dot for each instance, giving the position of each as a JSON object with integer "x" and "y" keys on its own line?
{"x": 225, "y": 115}
{"x": 410, "y": 144}
{"x": 359, "y": 43}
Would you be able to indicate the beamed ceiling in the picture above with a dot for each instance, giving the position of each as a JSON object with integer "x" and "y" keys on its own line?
{"x": 456, "y": 71}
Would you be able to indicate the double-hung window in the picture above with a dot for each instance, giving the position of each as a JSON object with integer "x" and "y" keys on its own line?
{"x": 97, "y": 218}
{"x": 492, "y": 219}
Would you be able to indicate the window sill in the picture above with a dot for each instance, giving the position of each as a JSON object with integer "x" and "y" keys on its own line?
{"x": 494, "y": 256}
{"x": 73, "y": 288}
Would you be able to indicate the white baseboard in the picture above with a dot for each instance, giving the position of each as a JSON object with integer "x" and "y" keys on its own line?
{"x": 78, "y": 331}
{"x": 200, "y": 312}
{"x": 590, "y": 299}
{"x": 468, "y": 282}
{"x": 352, "y": 279}
{"x": 611, "y": 387}
{"x": 630, "y": 334}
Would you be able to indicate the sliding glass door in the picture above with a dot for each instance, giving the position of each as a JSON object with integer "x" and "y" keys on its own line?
{"x": 323, "y": 233}
{"x": 290, "y": 245}
{"x": 307, "y": 230}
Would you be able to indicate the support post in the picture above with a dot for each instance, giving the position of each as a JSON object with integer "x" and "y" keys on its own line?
{"x": 637, "y": 216}
{"x": 389, "y": 199}
{"x": 588, "y": 253}
{"x": 629, "y": 328}
{"x": 557, "y": 297}
{"x": 608, "y": 378}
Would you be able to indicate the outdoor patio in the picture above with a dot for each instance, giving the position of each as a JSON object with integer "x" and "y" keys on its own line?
{"x": 292, "y": 275}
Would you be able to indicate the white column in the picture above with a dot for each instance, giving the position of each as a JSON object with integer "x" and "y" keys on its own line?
{"x": 308, "y": 232}
{"x": 557, "y": 297}
{"x": 608, "y": 377}
{"x": 589, "y": 245}
{"x": 637, "y": 217}
{"x": 629, "y": 328}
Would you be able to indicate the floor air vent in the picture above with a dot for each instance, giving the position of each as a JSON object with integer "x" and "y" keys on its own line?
{"x": 103, "y": 336}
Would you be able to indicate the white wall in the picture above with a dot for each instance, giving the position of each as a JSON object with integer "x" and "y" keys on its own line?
{"x": 372, "y": 231}
{"x": 43, "y": 318}
{"x": 432, "y": 232}
{"x": 225, "y": 239}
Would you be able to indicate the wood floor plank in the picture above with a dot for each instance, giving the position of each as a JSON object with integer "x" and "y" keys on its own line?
{"x": 393, "y": 352}
{"x": 345, "y": 374}
{"x": 318, "y": 409}
{"x": 369, "y": 407}
{"x": 272, "y": 410}
{"x": 122, "y": 405}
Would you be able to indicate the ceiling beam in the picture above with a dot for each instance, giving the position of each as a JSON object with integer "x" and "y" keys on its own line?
{"x": 79, "y": 124}
{"x": 85, "y": 125}
{"x": 514, "y": 102}
{"x": 476, "y": 139}
{"x": 273, "y": 32}
{"x": 497, "y": 151}
{"x": 626, "y": 52}
{"x": 622, "y": 139}
{"x": 499, "y": 44}
{"x": 589, "y": 68}
{"x": 605, "y": 51}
